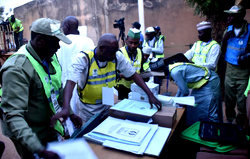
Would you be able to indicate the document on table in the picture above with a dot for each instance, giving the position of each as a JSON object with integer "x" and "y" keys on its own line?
{"x": 158, "y": 141}
{"x": 119, "y": 129}
{"x": 135, "y": 107}
{"x": 137, "y": 149}
{"x": 189, "y": 100}
{"x": 72, "y": 149}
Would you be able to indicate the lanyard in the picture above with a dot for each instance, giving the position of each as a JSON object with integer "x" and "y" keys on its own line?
{"x": 47, "y": 67}
{"x": 130, "y": 56}
{"x": 95, "y": 56}
{"x": 202, "y": 47}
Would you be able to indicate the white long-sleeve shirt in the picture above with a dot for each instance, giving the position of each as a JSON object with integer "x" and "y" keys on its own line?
{"x": 212, "y": 56}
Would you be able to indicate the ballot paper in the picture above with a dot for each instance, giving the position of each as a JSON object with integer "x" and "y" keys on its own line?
{"x": 189, "y": 100}
{"x": 135, "y": 107}
{"x": 72, "y": 149}
{"x": 158, "y": 141}
{"x": 118, "y": 130}
{"x": 137, "y": 149}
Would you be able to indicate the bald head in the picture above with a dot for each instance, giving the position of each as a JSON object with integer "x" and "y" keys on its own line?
{"x": 107, "y": 38}
{"x": 70, "y": 25}
{"x": 107, "y": 47}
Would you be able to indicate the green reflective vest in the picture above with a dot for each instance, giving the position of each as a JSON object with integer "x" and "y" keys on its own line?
{"x": 202, "y": 51}
{"x": 136, "y": 64}
{"x": 17, "y": 23}
{"x": 97, "y": 78}
{"x": 198, "y": 84}
{"x": 56, "y": 81}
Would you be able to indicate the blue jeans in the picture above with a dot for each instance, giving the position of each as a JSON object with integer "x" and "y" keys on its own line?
{"x": 18, "y": 39}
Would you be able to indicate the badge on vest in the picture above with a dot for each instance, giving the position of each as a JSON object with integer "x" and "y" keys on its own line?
{"x": 95, "y": 72}
{"x": 241, "y": 42}
{"x": 46, "y": 79}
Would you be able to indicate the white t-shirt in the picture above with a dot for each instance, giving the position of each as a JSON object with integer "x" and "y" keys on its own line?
{"x": 78, "y": 72}
{"x": 212, "y": 56}
{"x": 67, "y": 53}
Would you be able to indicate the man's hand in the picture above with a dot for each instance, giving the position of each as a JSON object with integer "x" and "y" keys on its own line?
{"x": 154, "y": 101}
{"x": 77, "y": 121}
{"x": 49, "y": 155}
{"x": 227, "y": 36}
{"x": 63, "y": 114}
{"x": 147, "y": 49}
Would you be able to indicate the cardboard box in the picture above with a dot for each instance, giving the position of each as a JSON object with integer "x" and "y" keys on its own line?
{"x": 165, "y": 118}
{"x": 153, "y": 87}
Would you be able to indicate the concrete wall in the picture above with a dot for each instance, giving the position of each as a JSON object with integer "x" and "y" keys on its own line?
{"x": 176, "y": 19}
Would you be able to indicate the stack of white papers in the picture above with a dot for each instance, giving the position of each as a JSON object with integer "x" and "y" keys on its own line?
{"x": 135, "y": 107}
{"x": 130, "y": 136}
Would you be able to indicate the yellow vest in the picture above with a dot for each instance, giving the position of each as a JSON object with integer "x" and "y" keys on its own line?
{"x": 97, "y": 78}
{"x": 202, "y": 52}
{"x": 136, "y": 64}
{"x": 155, "y": 46}
{"x": 17, "y": 23}
{"x": 198, "y": 84}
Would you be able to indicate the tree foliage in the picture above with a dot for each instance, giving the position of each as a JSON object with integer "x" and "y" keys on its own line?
{"x": 1, "y": 13}
{"x": 213, "y": 11}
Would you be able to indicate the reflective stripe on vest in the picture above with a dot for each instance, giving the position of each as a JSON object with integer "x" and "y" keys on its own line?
{"x": 136, "y": 64}
{"x": 56, "y": 80}
{"x": 236, "y": 46}
{"x": 97, "y": 78}
{"x": 146, "y": 65}
{"x": 198, "y": 84}
{"x": 201, "y": 52}
{"x": 155, "y": 46}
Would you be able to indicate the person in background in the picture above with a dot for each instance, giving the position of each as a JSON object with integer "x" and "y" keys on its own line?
{"x": 235, "y": 45}
{"x": 94, "y": 71}
{"x": 137, "y": 25}
{"x": 156, "y": 48}
{"x": 206, "y": 51}
{"x": 135, "y": 58}
{"x": 67, "y": 53}
{"x": 158, "y": 35}
{"x": 17, "y": 27}
{"x": 32, "y": 92}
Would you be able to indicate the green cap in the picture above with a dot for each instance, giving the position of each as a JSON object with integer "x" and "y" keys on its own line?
{"x": 134, "y": 33}
{"x": 49, "y": 27}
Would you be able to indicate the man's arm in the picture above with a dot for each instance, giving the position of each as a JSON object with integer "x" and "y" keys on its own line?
{"x": 160, "y": 48}
{"x": 183, "y": 89}
{"x": 190, "y": 53}
{"x": 15, "y": 104}
{"x": 226, "y": 36}
{"x": 212, "y": 57}
{"x": 152, "y": 99}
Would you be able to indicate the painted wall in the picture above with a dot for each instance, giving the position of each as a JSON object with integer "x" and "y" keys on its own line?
{"x": 176, "y": 19}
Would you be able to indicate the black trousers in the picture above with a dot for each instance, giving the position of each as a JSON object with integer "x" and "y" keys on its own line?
{"x": 122, "y": 92}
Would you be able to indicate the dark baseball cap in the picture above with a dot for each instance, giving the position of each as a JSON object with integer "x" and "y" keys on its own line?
{"x": 137, "y": 25}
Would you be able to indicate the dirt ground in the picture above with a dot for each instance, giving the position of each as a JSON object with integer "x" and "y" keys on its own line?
{"x": 10, "y": 151}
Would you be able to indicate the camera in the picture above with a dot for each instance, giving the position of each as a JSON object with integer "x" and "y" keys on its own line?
{"x": 120, "y": 24}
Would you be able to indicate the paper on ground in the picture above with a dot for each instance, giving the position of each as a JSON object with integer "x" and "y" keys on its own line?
{"x": 190, "y": 100}
{"x": 122, "y": 130}
{"x": 72, "y": 149}
{"x": 135, "y": 107}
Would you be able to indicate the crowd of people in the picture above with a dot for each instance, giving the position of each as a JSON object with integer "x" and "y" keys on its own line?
{"x": 61, "y": 75}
